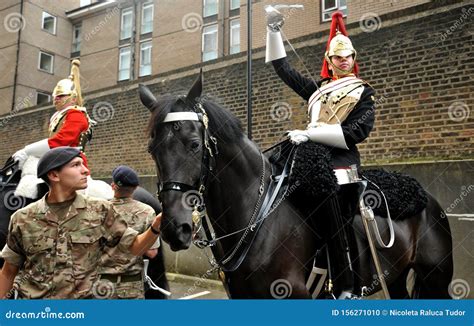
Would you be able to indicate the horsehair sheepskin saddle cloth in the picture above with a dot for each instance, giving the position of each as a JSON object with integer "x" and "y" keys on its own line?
{"x": 312, "y": 175}
{"x": 405, "y": 196}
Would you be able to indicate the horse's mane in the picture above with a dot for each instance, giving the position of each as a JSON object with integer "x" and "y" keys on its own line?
{"x": 222, "y": 123}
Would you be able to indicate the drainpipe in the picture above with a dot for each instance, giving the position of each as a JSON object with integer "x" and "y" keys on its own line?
{"x": 135, "y": 10}
{"x": 17, "y": 56}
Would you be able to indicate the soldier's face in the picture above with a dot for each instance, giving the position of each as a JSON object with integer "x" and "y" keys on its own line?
{"x": 343, "y": 63}
{"x": 63, "y": 101}
{"x": 73, "y": 175}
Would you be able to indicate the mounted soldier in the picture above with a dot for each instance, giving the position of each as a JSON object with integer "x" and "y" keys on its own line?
{"x": 69, "y": 126}
{"x": 341, "y": 113}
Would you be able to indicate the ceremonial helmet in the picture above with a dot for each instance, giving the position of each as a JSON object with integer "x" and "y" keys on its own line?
{"x": 338, "y": 44}
{"x": 71, "y": 85}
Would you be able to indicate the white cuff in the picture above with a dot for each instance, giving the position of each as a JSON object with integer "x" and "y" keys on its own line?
{"x": 37, "y": 149}
{"x": 275, "y": 48}
{"x": 330, "y": 135}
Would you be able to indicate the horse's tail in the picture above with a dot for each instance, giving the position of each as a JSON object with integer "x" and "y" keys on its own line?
{"x": 434, "y": 254}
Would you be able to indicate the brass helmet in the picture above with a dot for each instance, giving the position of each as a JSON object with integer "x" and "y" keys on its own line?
{"x": 340, "y": 45}
{"x": 71, "y": 85}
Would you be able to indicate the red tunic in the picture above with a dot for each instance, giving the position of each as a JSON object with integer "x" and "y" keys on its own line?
{"x": 69, "y": 129}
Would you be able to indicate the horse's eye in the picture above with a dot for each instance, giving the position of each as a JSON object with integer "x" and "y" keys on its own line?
{"x": 195, "y": 145}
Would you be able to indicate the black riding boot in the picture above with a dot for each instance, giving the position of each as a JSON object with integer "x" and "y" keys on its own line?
{"x": 342, "y": 246}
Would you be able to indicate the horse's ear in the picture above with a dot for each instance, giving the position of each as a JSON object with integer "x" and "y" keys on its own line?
{"x": 147, "y": 97}
{"x": 196, "y": 89}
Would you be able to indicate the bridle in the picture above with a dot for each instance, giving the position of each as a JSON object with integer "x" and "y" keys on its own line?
{"x": 208, "y": 155}
{"x": 264, "y": 206}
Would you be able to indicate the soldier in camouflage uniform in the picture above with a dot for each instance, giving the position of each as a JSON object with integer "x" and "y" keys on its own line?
{"x": 125, "y": 270}
{"x": 57, "y": 241}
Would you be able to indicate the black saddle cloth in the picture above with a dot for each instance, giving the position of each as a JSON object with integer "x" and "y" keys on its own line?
{"x": 312, "y": 180}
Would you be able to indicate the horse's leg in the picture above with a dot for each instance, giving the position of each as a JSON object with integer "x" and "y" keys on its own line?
{"x": 434, "y": 259}
{"x": 398, "y": 287}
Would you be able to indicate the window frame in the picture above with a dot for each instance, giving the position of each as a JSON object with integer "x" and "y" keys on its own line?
{"x": 146, "y": 5}
{"x": 74, "y": 40}
{"x": 233, "y": 8}
{"x": 43, "y": 93}
{"x": 203, "y": 44}
{"x": 149, "y": 41}
{"x": 204, "y": 8}
{"x": 126, "y": 11}
{"x": 329, "y": 11}
{"x": 52, "y": 62}
{"x": 231, "y": 35}
{"x": 54, "y": 20}
{"x": 128, "y": 47}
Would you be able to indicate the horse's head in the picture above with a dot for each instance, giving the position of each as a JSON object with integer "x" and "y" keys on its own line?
{"x": 178, "y": 137}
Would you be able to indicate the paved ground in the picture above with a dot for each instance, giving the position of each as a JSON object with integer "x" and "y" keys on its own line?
{"x": 196, "y": 289}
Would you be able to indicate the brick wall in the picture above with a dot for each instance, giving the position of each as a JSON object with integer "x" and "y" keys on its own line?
{"x": 421, "y": 72}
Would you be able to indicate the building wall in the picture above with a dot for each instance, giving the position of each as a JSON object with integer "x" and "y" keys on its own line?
{"x": 176, "y": 37}
{"x": 33, "y": 39}
{"x": 423, "y": 96}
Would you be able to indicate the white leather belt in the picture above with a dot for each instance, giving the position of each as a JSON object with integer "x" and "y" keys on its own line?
{"x": 346, "y": 175}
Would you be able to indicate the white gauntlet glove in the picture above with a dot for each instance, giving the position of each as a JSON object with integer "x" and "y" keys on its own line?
{"x": 330, "y": 135}
{"x": 37, "y": 149}
{"x": 275, "y": 48}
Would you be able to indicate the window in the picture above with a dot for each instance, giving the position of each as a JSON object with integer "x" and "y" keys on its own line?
{"x": 49, "y": 23}
{"x": 147, "y": 18}
{"x": 145, "y": 59}
{"x": 124, "y": 64}
{"x": 46, "y": 62}
{"x": 209, "y": 42}
{"x": 76, "y": 38}
{"x": 330, "y": 6}
{"x": 42, "y": 98}
{"x": 126, "y": 24}
{"x": 234, "y": 36}
{"x": 234, "y": 4}
{"x": 209, "y": 8}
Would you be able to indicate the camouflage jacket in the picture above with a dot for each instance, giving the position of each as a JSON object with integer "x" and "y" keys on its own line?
{"x": 139, "y": 217}
{"x": 58, "y": 256}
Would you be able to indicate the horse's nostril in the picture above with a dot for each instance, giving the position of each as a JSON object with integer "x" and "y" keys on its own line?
{"x": 186, "y": 229}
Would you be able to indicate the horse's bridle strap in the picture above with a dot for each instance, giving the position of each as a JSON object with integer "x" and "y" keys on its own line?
{"x": 182, "y": 116}
{"x": 176, "y": 186}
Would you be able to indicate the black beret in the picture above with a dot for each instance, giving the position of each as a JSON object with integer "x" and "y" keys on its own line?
{"x": 124, "y": 176}
{"x": 55, "y": 158}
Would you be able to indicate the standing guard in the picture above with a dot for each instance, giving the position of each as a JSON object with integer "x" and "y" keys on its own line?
{"x": 341, "y": 112}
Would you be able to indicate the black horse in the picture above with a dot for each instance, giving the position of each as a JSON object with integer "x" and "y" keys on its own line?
{"x": 9, "y": 203}
{"x": 204, "y": 151}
